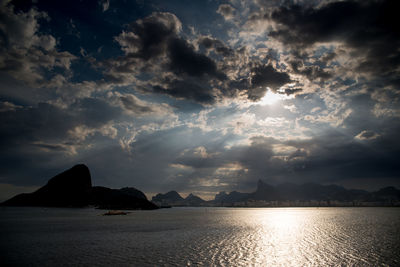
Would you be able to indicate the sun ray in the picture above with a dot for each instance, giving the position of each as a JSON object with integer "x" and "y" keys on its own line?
{"x": 271, "y": 98}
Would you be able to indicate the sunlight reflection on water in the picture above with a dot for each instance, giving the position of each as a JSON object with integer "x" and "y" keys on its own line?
{"x": 303, "y": 237}
{"x": 203, "y": 236}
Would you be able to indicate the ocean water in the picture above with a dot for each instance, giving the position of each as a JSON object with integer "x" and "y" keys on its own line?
{"x": 201, "y": 237}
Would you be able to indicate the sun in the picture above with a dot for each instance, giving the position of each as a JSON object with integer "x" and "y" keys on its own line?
{"x": 270, "y": 98}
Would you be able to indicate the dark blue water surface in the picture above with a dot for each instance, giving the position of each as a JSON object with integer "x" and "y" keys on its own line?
{"x": 201, "y": 236}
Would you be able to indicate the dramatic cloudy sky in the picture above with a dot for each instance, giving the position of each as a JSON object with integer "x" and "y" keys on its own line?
{"x": 200, "y": 96}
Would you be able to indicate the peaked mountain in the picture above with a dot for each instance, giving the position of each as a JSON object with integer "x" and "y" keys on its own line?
{"x": 69, "y": 188}
{"x": 192, "y": 200}
{"x": 170, "y": 197}
{"x": 73, "y": 188}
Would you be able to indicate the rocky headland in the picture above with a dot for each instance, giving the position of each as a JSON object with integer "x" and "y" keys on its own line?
{"x": 73, "y": 188}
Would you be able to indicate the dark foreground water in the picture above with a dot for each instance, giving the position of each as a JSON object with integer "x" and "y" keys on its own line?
{"x": 201, "y": 236}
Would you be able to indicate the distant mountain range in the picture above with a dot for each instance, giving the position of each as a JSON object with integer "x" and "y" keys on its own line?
{"x": 172, "y": 198}
{"x": 289, "y": 194}
{"x": 73, "y": 188}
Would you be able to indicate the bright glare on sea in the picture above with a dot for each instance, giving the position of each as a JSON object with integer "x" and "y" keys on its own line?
{"x": 201, "y": 237}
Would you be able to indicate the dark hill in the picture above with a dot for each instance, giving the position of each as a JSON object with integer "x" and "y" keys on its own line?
{"x": 70, "y": 188}
{"x": 192, "y": 200}
{"x": 133, "y": 192}
{"x": 170, "y": 197}
{"x": 73, "y": 188}
{"x": 106, "y": 198}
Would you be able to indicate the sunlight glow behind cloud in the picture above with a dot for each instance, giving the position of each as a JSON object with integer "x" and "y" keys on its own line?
{"x": 271, "y": 98}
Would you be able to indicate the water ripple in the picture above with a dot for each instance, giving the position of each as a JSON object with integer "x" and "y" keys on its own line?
{"x": 203, "y": 237}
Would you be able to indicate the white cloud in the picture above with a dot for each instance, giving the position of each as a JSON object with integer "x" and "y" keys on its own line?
{"x": 24, "y": 51}
{"x": 227, "y": 11}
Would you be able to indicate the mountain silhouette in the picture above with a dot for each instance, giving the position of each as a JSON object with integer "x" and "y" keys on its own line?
{"x": 70, "y": 188}
{"x": 133, "y": 192}
{"x": 172, "y": 198}
{"x": 106, "y": 198}
{"x": 73, "y": 188}
{"x": 310, "y": 193}
{"x": 192, "y": 200}
{"x": 288, "y": 194}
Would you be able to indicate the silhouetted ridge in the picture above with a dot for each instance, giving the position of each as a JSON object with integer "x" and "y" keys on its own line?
{"x": 193, "y": 200}
{"x": 309, "y": 194}
{"x": 106, "y": 198}
{"x": 133, "y": 192}
{"x": 171, "y": 196}
{"x": 220, "y": 196}
{"x": 69, "y": 188}
{"x": 73, "y": 188}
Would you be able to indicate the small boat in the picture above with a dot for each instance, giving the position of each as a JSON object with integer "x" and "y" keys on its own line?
{"x": 115, "y": 212}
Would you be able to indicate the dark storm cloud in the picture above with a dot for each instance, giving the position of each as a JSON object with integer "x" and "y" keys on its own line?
{"x": 30, "y": 135}
{"x": 369, "y": 27}
{"x": 344, "y": 158}
{"x": 30, "y": 124}
{"x": 216, "y": 45}
{"x": 183, "y": 59}
{"x": 149, "y": 37}
{"x": 346, "y": 20}
{"x": 49, "y": 122}
{"x": 190, "y": 89}
{"x": 20, "y": 132}
{"x": 312, "y": 73}
{"x": 266, "y": 76}
{"x": 292, "y": 91}
{"x": 155, "y": 46}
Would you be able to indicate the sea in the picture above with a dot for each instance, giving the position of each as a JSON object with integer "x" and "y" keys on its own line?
{"x": 200, "y": 237}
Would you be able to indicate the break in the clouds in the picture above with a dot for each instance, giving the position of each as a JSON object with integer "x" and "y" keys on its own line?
{"x": 200, "y": 98}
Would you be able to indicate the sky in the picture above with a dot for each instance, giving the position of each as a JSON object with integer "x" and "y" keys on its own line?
{"x": 200, "y": 96}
